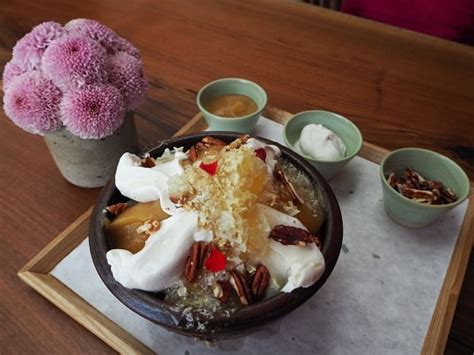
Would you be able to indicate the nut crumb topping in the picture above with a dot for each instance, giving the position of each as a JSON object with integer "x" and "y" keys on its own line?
{"x": 148, "y": 227}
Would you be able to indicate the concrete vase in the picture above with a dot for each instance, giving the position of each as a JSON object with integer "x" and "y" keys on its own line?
{"x": 91, "y": 162}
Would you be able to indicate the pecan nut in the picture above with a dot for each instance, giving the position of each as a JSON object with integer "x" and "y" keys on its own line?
{"x": 260, "y": 282}
{"x": 195, "y": 260}
{"x": 208, "y": 140}
{"x": 280, "y": 174}
{"x": 416, "y": 194}
{"x": 222, "y": 291}
{"x": 287, "y": 235}
{"x": 393, "y": 180}
{"x": 448, "y": 195}
{"x": 238, "y": 142}
{"x": 434, "y": 185}
{"x": 148, "y": 162}
{"x": 413, "y": 180}
{"x": 242, "y": 285}
{"x": 116, "y": 209}
{"x": 200, "y": 146}
{"x": 193, "y": 154}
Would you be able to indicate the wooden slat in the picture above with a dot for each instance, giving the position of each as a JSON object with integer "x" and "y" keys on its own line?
{"x": 196, "y": 124}
{"x": 277, "y": 114}
{"x": 373, "y": 152}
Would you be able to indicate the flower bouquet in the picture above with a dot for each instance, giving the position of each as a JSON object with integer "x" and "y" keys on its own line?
{"x": 76, "y": 84}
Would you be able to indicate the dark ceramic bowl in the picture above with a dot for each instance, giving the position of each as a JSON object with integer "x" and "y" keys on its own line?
{"x": 152, "y": 305}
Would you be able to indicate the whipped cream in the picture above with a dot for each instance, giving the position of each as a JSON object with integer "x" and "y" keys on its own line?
{"x": 291, "y": 266}
{"x": 318, "y": 142}
{"x": 149, "y": 184}
{"x": 272, "y": 152}
{"x": 161, "y": 262}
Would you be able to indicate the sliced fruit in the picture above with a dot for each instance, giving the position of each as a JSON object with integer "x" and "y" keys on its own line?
{"x": 122, "y": 231}
{"x": 309, "y": 220}
{"x": 126, "y": 237}
{"x": 139, "y": 213}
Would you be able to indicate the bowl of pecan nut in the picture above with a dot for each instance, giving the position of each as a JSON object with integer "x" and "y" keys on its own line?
{"x": 420, "y": 185}
{"x": 213, "y": 235}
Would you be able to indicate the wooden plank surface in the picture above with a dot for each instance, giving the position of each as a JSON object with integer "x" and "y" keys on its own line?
{"x": 400, "y": 88}
{"x": 60, "y": 246}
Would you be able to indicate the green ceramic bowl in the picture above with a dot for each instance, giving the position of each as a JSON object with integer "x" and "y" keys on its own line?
{"x": 430, "y": 165}
{"x": 341, "y": 126}
{"x": 227, "y": 86}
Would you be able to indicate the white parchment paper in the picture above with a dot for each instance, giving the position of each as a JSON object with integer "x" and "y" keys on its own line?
{"x": 378, "y": 300}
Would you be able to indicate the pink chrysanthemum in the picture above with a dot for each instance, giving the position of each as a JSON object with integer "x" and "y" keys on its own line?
{"x": 83, "y": 76}
{"x": 32, "y": 103}
{"x": 29, "y": 50}
{"x": 92, "y": 29}
{"x": 122, "y": 45}
{"x": 93, "y": 112}
{"x": 126, "y": 73}
{"x": 10, "y": 71}
{"x": 72, "y": 62}
{"x": 102, "y": 34}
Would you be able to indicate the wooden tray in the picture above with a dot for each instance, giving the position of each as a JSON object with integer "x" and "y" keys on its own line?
{"x": 36, "y": 272}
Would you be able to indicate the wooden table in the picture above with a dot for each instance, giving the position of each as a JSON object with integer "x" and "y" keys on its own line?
{"x": 399, "y": 87}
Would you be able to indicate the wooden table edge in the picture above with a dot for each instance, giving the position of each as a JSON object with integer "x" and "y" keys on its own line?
{"x": 440, "y": 325}
{"x": 35, "y": 273}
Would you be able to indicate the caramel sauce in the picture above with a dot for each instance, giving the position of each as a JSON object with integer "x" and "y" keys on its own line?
{"x": 231, "y": 106}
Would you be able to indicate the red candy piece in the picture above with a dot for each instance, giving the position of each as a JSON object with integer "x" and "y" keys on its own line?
{"x": 261, "y": 153}
{"x": 215, "y": 261}
{"x": 210, "y": 168}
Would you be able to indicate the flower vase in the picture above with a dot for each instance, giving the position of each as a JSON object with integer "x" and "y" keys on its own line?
{"x": 91, "y": 162}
